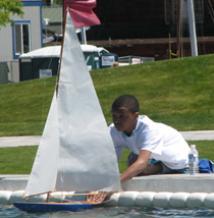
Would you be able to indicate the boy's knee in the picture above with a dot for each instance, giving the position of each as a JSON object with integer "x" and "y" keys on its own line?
{"x": 131, "y": 158}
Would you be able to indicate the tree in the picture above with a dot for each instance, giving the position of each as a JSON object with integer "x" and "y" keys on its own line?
{"x": 9, "y": 8}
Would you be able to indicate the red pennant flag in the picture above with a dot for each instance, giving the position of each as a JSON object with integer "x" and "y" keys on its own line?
{"x": 81, "y": 12}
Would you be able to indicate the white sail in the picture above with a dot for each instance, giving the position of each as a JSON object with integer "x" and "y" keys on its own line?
{"x": 44, "y": 172}
{"x": 80, "y": 155}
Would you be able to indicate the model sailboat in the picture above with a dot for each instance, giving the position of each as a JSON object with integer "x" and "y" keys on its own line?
{"x": 76, "y": 152}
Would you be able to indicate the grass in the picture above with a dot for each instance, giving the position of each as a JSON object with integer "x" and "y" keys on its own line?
{"x": 24, "y": 106}
{"x": 177, "y": 92}
{"x": 19, "y": 160}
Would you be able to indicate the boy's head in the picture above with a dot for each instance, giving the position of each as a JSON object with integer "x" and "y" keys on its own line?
{"x": 125, "y": 110}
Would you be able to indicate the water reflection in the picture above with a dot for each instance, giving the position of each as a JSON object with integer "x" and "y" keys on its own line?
{"x": 110, "y": 212}
{"x": 122, "y": 212}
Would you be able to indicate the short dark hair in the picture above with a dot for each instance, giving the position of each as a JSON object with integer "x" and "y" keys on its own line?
{"x": 128, "y": 101}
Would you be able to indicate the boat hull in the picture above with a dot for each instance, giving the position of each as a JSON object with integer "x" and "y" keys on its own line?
{"x": 51, "y": 207}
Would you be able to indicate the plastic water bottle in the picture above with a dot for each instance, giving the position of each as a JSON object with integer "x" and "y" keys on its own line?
{"x": 193, "y": 160}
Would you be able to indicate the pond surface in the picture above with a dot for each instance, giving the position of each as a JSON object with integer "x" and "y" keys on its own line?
{"x": 108, "y": 212}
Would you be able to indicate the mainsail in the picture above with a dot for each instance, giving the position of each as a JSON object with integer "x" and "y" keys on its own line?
{"x": 76, "y": 152}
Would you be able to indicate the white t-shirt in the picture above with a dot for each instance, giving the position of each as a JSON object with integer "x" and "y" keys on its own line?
{"x": 164, "y": 142}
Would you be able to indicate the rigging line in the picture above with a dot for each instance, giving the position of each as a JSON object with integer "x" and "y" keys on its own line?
{"x": 60, "y": 176}
{"x": 43, "y": 99}
{"x": 43, "y": 113}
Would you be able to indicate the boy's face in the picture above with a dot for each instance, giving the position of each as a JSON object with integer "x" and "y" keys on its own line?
{"x": 124, "y": 120}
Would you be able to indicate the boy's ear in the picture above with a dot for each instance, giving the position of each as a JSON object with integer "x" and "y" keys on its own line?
{"x": 137, "y": 114}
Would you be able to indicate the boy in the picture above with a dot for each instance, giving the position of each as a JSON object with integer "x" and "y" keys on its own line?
{"x": 147, "y": 140}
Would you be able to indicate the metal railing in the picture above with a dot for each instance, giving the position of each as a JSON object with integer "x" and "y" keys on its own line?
{"x": 130, "y": 59}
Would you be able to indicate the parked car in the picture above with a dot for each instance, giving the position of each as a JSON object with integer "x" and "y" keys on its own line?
{"x": 98, "y": 57}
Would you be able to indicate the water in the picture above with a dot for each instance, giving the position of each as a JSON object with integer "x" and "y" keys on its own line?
{"x": 108, "y": 212}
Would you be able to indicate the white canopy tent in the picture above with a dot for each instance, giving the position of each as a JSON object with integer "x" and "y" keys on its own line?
{"x": 54, "y": 51}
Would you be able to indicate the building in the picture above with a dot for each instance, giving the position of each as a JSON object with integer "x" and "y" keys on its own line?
{"x": 21, "y": 36}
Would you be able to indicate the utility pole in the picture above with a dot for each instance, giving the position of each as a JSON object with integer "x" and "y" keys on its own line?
{"x": 192, "y": 27}
{"x": 83, "y": 35}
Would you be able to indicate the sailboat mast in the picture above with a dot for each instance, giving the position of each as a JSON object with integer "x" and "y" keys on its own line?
{"x": 48, "y": 196}
{"x": 63, "y": 34}
{"x": 63, "y": 17}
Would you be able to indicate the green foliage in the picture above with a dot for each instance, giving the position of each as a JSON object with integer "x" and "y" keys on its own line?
{"x": 8, "y": 8}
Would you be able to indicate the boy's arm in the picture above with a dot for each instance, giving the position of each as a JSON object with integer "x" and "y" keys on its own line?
{"x": 137, "y": 167}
